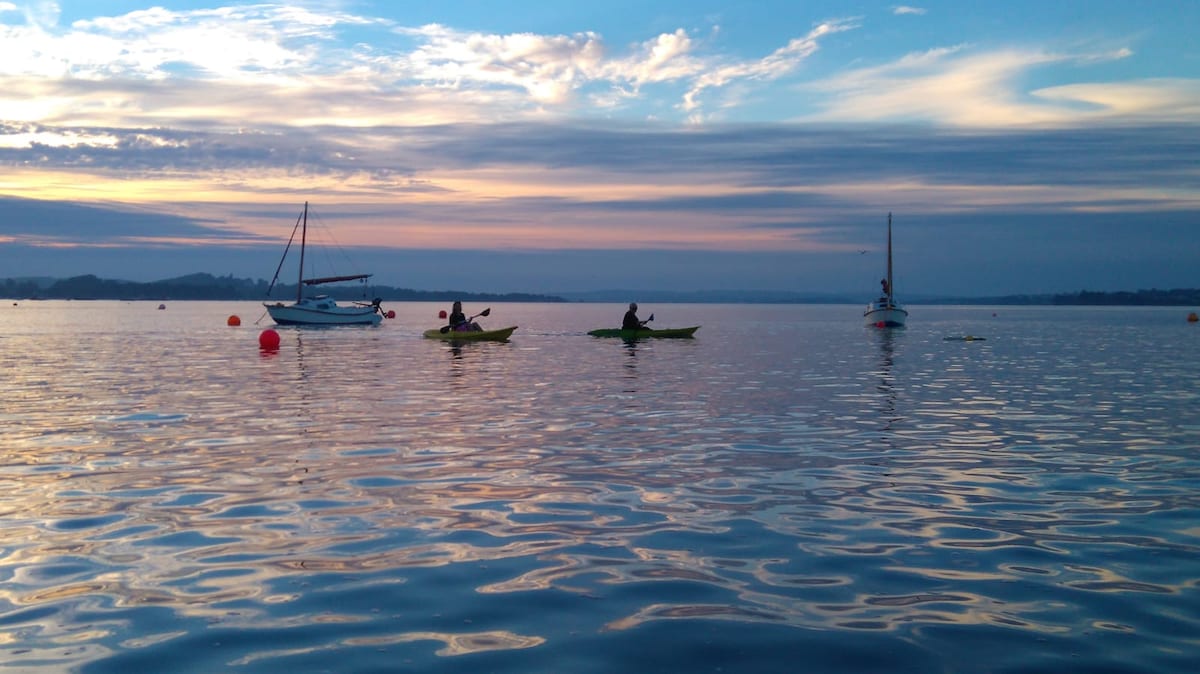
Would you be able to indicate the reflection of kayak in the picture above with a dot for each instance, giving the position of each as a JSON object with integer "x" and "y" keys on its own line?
{"x": 965, "y": 338}
{"x": 471, "y": 335}
{"x": 638, "y": 334}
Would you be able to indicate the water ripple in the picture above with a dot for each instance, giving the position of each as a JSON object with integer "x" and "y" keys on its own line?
{"x": 564, "y": 499}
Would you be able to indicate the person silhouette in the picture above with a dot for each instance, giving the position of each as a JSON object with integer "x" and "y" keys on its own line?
{"x": 631, "y": 322}
{"x": 458, "y": 319}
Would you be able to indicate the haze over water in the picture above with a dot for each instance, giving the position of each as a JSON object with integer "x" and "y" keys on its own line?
{"x": 787, "y": 490}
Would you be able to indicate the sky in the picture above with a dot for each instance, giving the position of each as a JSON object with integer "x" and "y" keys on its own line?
{"x": 1020, "y": 147}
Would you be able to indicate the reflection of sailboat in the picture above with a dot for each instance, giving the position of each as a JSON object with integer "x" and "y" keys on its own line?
{"x": 887, "y": 380}
{"x": 885, "y": 312}
{"x": 319, "y": 309}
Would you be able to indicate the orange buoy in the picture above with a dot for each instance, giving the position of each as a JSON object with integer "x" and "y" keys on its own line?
{"x": 1192, "y": 317}
{"x": 233, "y": 320}
{"x": 268, "y": 340}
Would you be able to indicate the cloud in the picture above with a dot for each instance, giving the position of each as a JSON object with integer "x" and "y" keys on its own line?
{"x": 581, "y": 156}
{"x": 220, "y": 122}
{"x": 218, "y": 68}
{"x": 255, "y": 43}
{"x": 667, "y": 57}
{"x": 980, "y": 254}
{"x": 1165, "y": 99}
{"x": 61, "y": 224}
{"x": 553, "y": 70}
{"x": 291, "y": 64}
{"x": 778, "y": 63}
{"x": 966, "y": 87}
{"x": 556, "y": 206}
{"x": 905, "y": 9}
{"x": 548, "y": 68}
{"x": 570, "y": 185}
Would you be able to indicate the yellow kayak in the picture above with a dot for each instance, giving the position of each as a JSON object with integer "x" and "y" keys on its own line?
{"x": 500, "y": 335}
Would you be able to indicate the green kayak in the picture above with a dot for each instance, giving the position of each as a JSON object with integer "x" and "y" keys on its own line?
{"x": 500, "y": 335}
{"x": 639, "y": 334}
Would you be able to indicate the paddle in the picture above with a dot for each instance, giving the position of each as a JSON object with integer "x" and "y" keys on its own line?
{"x": 486, "y": 312}
{"x": 643, "y": 323}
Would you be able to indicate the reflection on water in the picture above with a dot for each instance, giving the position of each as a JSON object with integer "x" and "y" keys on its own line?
{"x": 786, "y": 484}
{"x": 887, "y": 384}
{"x": 631, "y": 346}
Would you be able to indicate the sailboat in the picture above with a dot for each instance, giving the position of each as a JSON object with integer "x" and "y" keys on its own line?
{"x": 885, "y": 312}
{"x": 319, "y": 309}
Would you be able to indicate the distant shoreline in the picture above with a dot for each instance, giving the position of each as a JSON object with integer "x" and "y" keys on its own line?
{"x": 209, "y": 287}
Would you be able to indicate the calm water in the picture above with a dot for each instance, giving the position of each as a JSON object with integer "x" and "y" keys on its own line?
{"x": 788, "y": 491}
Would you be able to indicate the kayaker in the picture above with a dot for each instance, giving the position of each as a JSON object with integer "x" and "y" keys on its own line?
{"x": 631, "y": 321}
{"x": 458, "y": 319}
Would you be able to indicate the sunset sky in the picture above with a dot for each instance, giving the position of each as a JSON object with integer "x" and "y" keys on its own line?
{"x": 1022, "y": 146}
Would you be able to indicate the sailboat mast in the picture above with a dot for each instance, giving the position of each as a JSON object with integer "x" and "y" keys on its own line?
{"x": 304, "y": 238}
{"x": 889, "y": 268}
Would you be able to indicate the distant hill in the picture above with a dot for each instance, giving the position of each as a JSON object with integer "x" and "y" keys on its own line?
{"x": 1152, "y": 297}
{"x": 208, "y": 287}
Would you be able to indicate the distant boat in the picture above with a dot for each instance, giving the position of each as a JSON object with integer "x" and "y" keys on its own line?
{"x": 318, "y": 309}
{"x": 885, "y": 312}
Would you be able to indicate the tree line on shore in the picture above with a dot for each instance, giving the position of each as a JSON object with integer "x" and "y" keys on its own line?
{"x": 209, "y": 287}
{"x": 1151, "y": 297}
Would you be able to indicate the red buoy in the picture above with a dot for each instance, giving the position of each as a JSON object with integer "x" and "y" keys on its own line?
{"x": 442, "y": 313}
{"x": 233, "y": 321}
{"x": 390, "y": 314}
{"x": 268, "y": 340}
{"x": 1192, "y": 317}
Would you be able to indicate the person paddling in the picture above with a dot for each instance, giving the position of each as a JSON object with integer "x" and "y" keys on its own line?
{"x": 631, "y": 321}
{"x": 458, "y": 319}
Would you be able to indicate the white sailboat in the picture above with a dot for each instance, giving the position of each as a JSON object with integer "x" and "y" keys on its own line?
{"x": 885, "y": 312}
{"x": 319, "y": 309}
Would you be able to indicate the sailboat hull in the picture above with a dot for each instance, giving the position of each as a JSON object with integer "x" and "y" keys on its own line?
{"x": 885, "y": 315}
{"x": 322, "y": 311}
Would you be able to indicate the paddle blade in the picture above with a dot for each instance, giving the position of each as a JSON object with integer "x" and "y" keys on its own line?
{"x": 444, "y": 329}
{"x": 486, "y": 312}
{"x": 650, "y": 319}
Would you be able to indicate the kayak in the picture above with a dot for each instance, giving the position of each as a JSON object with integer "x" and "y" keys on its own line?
{"x": 500, "y": 335}
{"x": 646, "y": 332}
